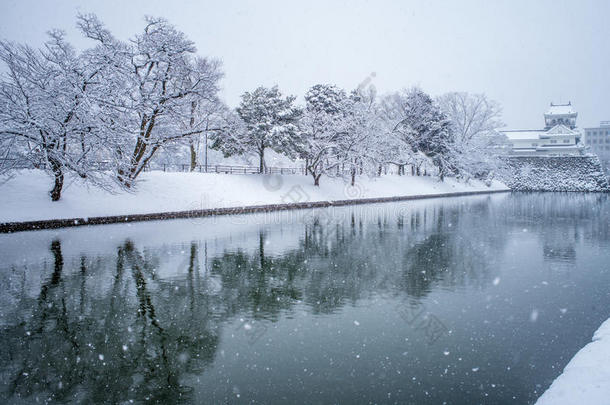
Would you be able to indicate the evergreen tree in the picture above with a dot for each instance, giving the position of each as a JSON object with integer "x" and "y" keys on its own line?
{"x": 425, "y": 129}
{"x": 269, "y": 121}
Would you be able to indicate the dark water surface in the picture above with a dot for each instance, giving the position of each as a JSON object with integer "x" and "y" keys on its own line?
{"x": 470, "y": 300}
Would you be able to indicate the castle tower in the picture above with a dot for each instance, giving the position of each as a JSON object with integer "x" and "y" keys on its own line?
{"x": 560, "y": 114}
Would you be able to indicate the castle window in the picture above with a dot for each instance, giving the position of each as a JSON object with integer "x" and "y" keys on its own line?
{"x": 553, "y": 140}
{"x": 566, "y": 141}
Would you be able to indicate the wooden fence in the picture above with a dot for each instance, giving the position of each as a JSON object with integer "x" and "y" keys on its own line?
{"x": 226, "y": 169}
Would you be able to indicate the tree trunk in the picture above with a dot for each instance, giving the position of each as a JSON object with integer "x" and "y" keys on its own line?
{"x": 191, "y": 144}
{"x": 261, "y": 163}
{"x": 193, "y": 156}
{"x": 55, "y": 193}
{"x": 128, "y": 178}
{"x": 316, "y": 180}
{"x": 353, "y": 176}
{"x": 138, "y": 161}
{"x": 123, "y": 178}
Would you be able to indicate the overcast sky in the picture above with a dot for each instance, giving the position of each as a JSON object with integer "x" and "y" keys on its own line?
{"x": 523, "y": 54}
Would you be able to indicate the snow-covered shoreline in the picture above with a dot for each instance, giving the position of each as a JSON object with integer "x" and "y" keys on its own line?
{"x": 24, "y": 197}
{"x": 586, "y": 378}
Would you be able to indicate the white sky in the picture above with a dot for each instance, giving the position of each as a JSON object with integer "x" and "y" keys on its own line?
{"x": 522, "y": 53}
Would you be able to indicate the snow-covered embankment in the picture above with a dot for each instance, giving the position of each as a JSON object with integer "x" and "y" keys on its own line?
{"x": 25, "y": 196}
{"x": 586, "y": 378}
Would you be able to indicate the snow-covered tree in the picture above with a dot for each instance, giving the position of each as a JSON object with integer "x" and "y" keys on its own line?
{"x": 472, "y": 115}
{"x": 46, "y": 110}
{"x": 475, "y": 120}
{"x": 417, "y": 121}
{"x": 231, "y": 135}
{"x": 390, "y": 148}
{"x": 324, "y": 126}
{"x": 270, "y": 120}
{"x": 360, "y": 145}
{"x": 151, "y": 85}
{"x": 213, "y": 118}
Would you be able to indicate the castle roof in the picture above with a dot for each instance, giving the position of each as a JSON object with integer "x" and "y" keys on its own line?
{"x": 523, "y": 134}
{"x": 557, "y": 130}
{"x": 561, "y": 130}
{"x": 560, "y": 109}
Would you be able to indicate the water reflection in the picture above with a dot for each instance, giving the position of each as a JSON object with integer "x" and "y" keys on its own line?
{"x": 562, "y": 221}
{"x": 133, "y": 342}
{"x": 144, "y": 322}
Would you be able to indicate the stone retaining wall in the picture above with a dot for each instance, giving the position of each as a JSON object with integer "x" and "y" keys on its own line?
{"x": 561, "y": 173}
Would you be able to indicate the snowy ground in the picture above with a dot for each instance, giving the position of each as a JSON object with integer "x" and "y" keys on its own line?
{"x": 586, "y": 378}
{"x": 25, "y": 196}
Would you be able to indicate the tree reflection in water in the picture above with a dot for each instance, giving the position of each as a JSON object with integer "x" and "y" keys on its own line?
{"x": 144, "y": 336}
{"x": 76, "y": 345}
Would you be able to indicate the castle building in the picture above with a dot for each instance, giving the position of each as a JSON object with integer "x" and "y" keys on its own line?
{"x": 559, "y": 137}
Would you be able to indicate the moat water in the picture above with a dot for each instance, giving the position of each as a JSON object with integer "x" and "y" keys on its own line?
{"x": 469, "y": 300}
